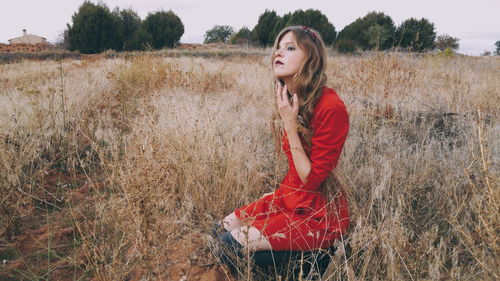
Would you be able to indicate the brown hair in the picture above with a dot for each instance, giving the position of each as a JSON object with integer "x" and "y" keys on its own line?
{"x": 309, "y": 80}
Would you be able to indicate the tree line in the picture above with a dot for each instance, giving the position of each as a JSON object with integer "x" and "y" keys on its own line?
{"x": 375, "y": 31}
{"x": 96, "y": 28}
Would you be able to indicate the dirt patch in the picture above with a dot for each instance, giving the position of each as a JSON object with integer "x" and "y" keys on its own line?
{"x": 186, "y": 259}
{"x": 42, "y": 244}
{"x": 45, "y": 243}
{"x": 31, "y": 253}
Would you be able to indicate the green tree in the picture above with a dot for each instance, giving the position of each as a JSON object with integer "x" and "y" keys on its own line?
{"x": 94, "y": 29}
{"x": 141, "y": 40}
{"x": 486, "y": 53}
{"x": 445, "y": 41}
{"x": 218, "y": 34}
{"x": 281, "y": 23}
{"x": 416, "y": 35}
{"x": 165, "y": 28}
{"x": 265, "y": 25}
{"x": 316, "y": 20}
{"x": 131, "y": 23}
{"x": 242, "y": 37}
{"x": 345, "y": 46}
{"x": 381, "y": 36}
{"x": 376, "y": 35}
{"x": 497, "y": 44}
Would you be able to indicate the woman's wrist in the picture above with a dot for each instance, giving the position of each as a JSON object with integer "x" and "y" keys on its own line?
{"x": 291, "y": 128}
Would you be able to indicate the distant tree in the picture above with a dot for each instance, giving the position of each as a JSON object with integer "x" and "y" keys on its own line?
{"x": 381, "y": 35}
{"x": 445, "y": 41}
{"x": 141, "y": 40}
{"x": 281, "y": 23}
{"x": 377, "y": 35}
{"x": 265, "y": 25}
{"x": 313, "y": 19}
{"x": 497, "y": 44}
{"x": 94, "y": 29}
{"x": 63, "y": 39}
{"x": 486, "y": 53}
{"x": 345, "y": 46}
{"x": 131, "y": 23}
{"x": 165, "y": 28}
{"x": 242, "y": 37}
{"x": 218, "y": 34}
{"x": 416, "y": 35}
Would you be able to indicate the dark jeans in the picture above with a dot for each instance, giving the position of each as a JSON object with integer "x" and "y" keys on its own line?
{"x": 274, "y": 263}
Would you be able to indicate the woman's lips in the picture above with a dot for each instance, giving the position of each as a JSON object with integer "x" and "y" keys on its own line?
{"x": 278, "y": 62}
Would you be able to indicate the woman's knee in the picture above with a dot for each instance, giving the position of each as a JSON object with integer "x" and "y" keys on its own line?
{"x": 228, "y": 250}
{"x": 231, "y": 222}
{"x": 251, "y": 238}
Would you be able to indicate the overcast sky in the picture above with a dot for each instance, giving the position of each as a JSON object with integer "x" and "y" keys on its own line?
{"x": 476, "y": 23}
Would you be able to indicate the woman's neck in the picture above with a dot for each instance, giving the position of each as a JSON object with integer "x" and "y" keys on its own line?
{"x": 290, "y": 85}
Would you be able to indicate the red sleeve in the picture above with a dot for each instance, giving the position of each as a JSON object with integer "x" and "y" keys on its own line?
{"x": 330, "y": 127}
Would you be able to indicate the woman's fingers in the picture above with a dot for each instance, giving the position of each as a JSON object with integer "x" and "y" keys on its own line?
{"x": 283, "y": 102}
{"x": 278, "y": 94}
{"x": 287, "y": 108}
{"x": 295, "y": 105}
{"x": 284, "y": 95}
{"x": 281, "y": 96}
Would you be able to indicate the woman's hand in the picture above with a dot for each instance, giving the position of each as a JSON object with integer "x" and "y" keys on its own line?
{"x": 288, "y": 112}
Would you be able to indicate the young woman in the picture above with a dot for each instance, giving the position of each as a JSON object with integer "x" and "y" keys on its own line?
{"x": 300, "y": 215}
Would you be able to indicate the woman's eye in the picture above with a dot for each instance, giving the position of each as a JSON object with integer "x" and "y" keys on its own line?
{"x": 290, "y": 48}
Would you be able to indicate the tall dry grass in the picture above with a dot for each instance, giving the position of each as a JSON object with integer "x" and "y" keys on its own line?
{"x": 168, "y": 145}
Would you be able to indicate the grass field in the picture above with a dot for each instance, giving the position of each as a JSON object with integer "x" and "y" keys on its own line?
{"x": 115, "y": 168}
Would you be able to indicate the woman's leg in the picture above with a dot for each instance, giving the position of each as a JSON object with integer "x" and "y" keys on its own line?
{"x": 251, "y": 238}
{"x": 231, "y": 222}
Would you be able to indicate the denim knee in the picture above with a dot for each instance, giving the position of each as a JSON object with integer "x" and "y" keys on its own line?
{"x": 228, "y": 250}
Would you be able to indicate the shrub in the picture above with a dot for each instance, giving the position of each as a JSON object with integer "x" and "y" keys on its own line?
{"x": 243, "y": 36}
{"x": 316, "y": 20}
{"x": 345, "y": 46}
{"x": 261, "y": 33}
{"x": 131, "y": 23}
{"x": 218, "y": 34}
{"x": 446, "y": 53}
{"x": 445, "y": 41}
{"x": 166, "y": 28}
{"x": 94, "y": 29}
{"x": 416, "y": 35}
{"x": 372, "y": 31}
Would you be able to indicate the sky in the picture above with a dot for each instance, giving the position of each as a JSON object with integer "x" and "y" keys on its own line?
{"x": 476, "y": 23}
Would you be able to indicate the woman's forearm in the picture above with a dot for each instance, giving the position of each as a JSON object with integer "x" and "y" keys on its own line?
{"x": 300, "y": 160}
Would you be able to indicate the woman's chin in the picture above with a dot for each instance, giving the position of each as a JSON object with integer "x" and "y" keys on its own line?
{"x": 279, "y": 75}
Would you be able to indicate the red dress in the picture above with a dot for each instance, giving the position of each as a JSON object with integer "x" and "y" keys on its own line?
{"x": 297, "y": 215}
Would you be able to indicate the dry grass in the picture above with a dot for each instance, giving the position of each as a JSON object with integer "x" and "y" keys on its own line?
{"x": 139, "y": 155}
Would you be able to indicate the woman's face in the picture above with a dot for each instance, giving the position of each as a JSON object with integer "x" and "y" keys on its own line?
{"x": 288, "y": 58}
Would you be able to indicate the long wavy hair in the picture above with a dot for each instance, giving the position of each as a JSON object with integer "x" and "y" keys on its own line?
{"x": 309, "y": 80}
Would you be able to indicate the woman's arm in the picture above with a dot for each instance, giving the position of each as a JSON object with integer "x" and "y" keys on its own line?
{"x": 289, "y": 113}
{"x": 299, "y": 156}
{"x": 331, "y": 125}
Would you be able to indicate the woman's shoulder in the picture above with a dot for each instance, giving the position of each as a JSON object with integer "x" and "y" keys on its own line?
{"x": 330, "y": 101}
